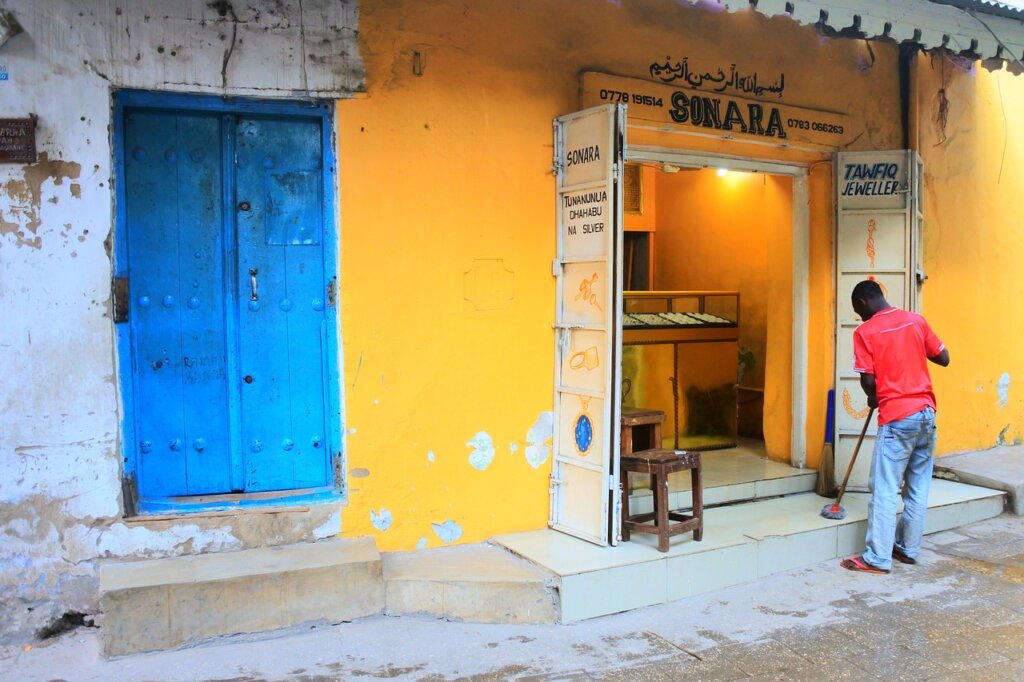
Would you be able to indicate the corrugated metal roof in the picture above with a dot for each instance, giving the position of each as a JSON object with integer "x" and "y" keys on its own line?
{"x": 1013, "y": 10}
{"x": 982, "y": 28}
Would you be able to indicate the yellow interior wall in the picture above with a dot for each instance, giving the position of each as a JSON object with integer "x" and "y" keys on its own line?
{"x": 734, "y": 233}
{"x": 973, "y": 246}
{"x": 714, "y": 233}
{"x": 448, "y": 172}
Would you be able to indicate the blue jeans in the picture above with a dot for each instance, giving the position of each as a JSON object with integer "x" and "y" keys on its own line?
{"x": 903, "y": 451}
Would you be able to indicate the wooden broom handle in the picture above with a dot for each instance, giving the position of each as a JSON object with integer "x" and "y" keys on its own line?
{"x": 856, "y": 449}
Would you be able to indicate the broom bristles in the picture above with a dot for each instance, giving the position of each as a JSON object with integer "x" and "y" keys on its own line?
{"x": 826, "y": 485}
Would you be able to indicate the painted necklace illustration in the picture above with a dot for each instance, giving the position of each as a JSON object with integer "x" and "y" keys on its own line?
{"x": 872, "y": 228}
{"x": 583, "y": 428}
{"x": 850, "y": 409}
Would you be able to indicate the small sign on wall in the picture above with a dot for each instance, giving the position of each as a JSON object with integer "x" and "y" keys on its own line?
{"x": 17, "y": 140}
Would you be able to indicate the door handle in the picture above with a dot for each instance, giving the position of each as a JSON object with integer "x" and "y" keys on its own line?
{"x": 252, "y": 280}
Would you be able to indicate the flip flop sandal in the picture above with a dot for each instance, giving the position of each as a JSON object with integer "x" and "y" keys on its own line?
{"x": 901, "y": 557}
{"x": 856, "y": 563}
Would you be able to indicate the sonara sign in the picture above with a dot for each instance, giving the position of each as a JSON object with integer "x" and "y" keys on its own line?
{"x": 718, "y": 114}
{"x": 706, "y": 111}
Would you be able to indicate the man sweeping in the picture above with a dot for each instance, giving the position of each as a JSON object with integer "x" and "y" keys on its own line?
{"x": 891, "y": 349}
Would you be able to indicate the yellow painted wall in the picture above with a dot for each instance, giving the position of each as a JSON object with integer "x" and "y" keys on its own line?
{"x": 448, "y": 173}
{"x": 973, "y": 151}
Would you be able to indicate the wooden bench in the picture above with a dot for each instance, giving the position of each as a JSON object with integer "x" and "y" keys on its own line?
{"x": 658, "y": 464}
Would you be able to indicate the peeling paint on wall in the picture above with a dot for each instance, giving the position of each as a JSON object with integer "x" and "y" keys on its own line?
{"x": 329, "y": 528}
{"x": 21, "y": 214}
{"x": 483, "y": 451}
{"x": 430, "y": 456}
{"x": 422, "y": 543}
{"x": 449, "y": 531}
{"x": 1003, "y": 389}
{"x": 539, "y": 435}
{"x": 381, "y": 521}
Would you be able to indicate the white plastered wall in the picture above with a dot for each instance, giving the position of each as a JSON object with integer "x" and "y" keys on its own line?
{"x": 60, "y": 419}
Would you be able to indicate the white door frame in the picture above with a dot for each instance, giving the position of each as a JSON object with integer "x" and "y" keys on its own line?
{"x": 801, "y": 262}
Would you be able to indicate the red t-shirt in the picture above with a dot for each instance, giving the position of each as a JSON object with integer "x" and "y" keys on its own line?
{"x": 895, "y": 345}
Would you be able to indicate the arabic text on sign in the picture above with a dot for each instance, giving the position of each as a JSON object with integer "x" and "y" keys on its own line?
{"x": 718, "y": 81}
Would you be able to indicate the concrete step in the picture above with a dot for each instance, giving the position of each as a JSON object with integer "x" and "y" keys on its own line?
{"x": 1001, "y": 468}
{"x": 475, "y": 583}
{"x": 165, "y": 603}
{"x": 741, "y": 543}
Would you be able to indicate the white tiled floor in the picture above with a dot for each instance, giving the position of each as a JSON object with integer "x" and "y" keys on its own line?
{"x": 733, "y": 475}
{"x": 741, "y": 542}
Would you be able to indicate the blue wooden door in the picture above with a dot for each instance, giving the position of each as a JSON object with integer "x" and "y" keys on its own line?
{"x": 224, "y": 230}
{"x": 281, "y": 329}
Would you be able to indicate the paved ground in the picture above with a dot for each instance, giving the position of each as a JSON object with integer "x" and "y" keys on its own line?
{"x": 958, "y": 615}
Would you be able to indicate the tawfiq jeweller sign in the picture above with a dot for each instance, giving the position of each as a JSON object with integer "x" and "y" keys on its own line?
{"x": 17, "y": 140}
{"x": 714, "y": 113}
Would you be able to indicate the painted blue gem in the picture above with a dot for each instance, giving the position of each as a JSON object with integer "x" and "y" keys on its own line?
{"x": 139, "y": 153}
{"x": 195, "y": 285}
{"x": 193, "y": 302}
{"x": 254, "y": 305}
{"x": 168, "y": 301}
{"x": 197, "y": 254}
{"x": 286, "y": 304}
{"x": 199, "y": 444}
{"x": 171, "y": 154}
{"x": 197, "y": 154}
{"x": 175, "y": 444}
{"x": 143, "y": 301}
{"x": 583, "y": 433}
{"x": 316, "y": 441}
{"x": 287, "y": 444}
{"x": 318, "y": 304}
{"x": 146, "y": 446}
{"x": 256, "y": 445}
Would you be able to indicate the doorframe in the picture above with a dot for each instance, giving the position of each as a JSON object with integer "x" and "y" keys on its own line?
{"x": 801, "y": 234}
{"x": 124, "y": 370}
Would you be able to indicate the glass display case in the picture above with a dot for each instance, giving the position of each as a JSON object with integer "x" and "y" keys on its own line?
{"x": 680, "y": 356}
{"x": 680, "y": 316}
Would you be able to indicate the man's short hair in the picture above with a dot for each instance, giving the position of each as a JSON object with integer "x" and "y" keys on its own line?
{"x": 867, "y": 290}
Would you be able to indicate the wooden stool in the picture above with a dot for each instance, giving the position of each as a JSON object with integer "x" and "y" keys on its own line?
{"x": 659, "y": 464}
{"x": 640, "y": 425}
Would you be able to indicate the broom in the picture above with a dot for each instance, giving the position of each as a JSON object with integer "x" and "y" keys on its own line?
{"x": 826, "y": 486}
{"x": 835, "y": 510}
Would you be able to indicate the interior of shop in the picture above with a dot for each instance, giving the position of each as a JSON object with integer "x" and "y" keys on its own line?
{"x": 707, "y": 316}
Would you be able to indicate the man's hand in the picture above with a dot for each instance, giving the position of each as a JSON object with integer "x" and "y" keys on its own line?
{"x": 867, "y": 382}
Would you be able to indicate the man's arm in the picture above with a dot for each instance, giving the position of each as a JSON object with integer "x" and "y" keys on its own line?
{"x": 867, "y": 382}
{"x": 942, "y": 359}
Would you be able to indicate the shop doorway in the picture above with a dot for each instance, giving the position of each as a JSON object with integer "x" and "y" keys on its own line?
{"x": 715, "y": 252}
{"x": 714, "y": 242}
